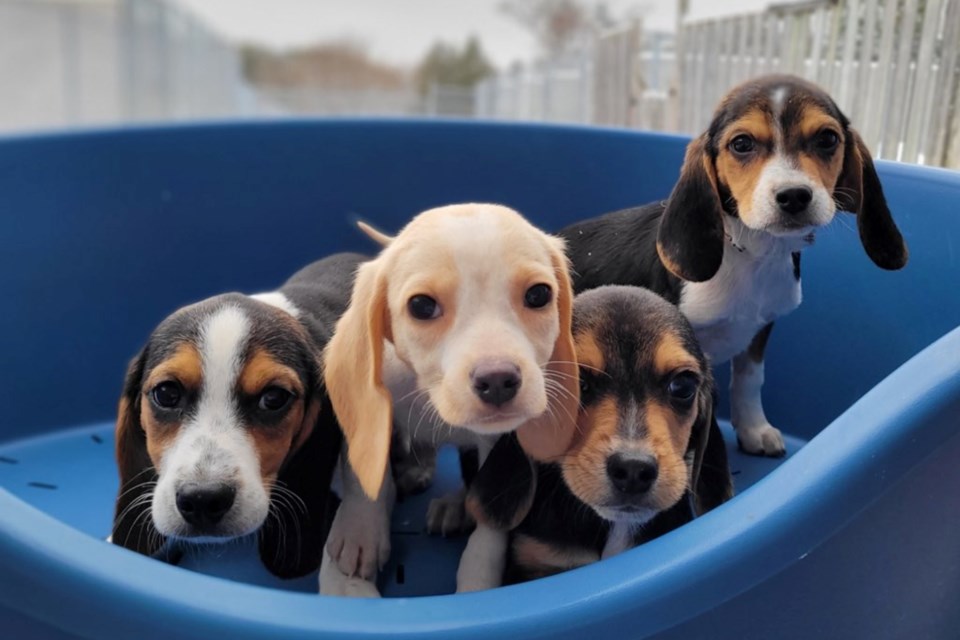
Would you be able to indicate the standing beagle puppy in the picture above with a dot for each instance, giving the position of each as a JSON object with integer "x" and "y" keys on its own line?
{"x": 225, "y": 428}
{"x": 777, "y": 162}
{"x": 459, "y": 331}
{"x": 648, "y": 454}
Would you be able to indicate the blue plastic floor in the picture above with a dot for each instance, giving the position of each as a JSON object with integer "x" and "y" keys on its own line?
{"x": 71, "y": 476}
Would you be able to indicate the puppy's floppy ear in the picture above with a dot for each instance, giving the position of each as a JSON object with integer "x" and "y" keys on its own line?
{"x": 132, "y": 528}
{"x": 690, "y": 237}
{"x": 710, "y": 479}
{"x": 859, "y": 189}
{"x": 291, "y": 541}
{"x": 549, "y": 436}
{"x": 353, "y": 372}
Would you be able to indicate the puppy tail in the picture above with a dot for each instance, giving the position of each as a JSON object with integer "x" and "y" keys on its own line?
{"x": 377, "y": 236}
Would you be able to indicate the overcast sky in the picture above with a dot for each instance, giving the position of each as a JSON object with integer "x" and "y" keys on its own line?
{"x": 400, "y": 31}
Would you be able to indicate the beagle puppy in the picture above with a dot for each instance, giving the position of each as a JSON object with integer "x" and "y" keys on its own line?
{"x": 648, "y": 454}
{"x": 777, "y": 162}
{"x": 224, "y": 426}
{"x": 457, "y": 332}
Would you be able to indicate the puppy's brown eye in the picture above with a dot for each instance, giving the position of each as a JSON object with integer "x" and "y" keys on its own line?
{"x": 167, "y": 395}
{"x": 537, "y": 296}
{"x": 274, "y": 399}
{"x": 827, "y": 140}
{"x": 682, "y": 387}
{"x": 742, "y": 144}
{"x": 423, "y": 307}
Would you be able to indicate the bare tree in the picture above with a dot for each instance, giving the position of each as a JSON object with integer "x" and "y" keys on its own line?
{"x": 556, "y": 24}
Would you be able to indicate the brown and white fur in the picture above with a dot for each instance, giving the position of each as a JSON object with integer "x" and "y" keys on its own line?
{"x": 648, "y": 455}
{"x": 225, "y": 428}
{"x": 459, "y": 331}
{"x": 777, "y": 162}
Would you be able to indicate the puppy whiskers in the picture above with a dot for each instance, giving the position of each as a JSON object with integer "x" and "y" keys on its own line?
{"x": 580, "y": 364}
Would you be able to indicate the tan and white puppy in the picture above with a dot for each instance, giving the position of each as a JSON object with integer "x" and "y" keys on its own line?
{"x": 225, "y": 429}
{"x": 457, "y": 332}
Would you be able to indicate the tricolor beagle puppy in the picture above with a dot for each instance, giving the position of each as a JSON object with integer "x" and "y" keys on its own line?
{"x": 648, "y": 455}
{"x": 224, "y": 426}
{"x": 457, "y": 332}
{"x": 777, "y": 162}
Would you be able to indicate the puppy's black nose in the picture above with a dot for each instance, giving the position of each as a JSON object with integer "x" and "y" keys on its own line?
{"x": 496, "y": 383}
{"x": 794, "y": 199}
{"x": 632, "y": 475}
{"x": 205, "y": 506}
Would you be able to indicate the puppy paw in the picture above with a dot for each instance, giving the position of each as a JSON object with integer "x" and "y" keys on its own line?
{"x": 447, "y": 516}
{"x": 334, "y": 582}
{"x": 762, "y": 440}
{"x": 414, "y": 480}
{"x": 359, "y": 539}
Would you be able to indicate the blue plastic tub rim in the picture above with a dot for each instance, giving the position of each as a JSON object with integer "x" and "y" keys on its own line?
{"x": 710, "y": 560}
{"x": 200, "y": 124}
{"x": 889, "y": 167}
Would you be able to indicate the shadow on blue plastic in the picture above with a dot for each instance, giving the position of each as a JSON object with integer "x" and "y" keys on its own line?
{"x": 853, "y": 536}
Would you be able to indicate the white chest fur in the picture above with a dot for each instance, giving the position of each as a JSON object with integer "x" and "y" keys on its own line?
{"x": 619, "y": 539}
{"x": 754, "y": 286}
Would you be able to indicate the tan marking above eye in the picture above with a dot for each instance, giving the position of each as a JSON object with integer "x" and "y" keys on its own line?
{"x": 754, "y": 123}
{"x": 589, "y": 353}
{"x": 670, "y": 355}
{"x": 185, "y": 365}
{"x": 262, "y": 370}
{"x": 813, "y": 120}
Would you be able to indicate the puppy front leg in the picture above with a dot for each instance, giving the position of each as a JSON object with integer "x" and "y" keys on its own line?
{"x": 485, "y": 556}
{"x": 754, "y": 432}
{"x": 483, "y": 560}
{"x": 359, "y": 539}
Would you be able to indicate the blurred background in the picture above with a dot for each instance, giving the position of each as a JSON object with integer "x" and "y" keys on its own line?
{"x": 892, "y": 65}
